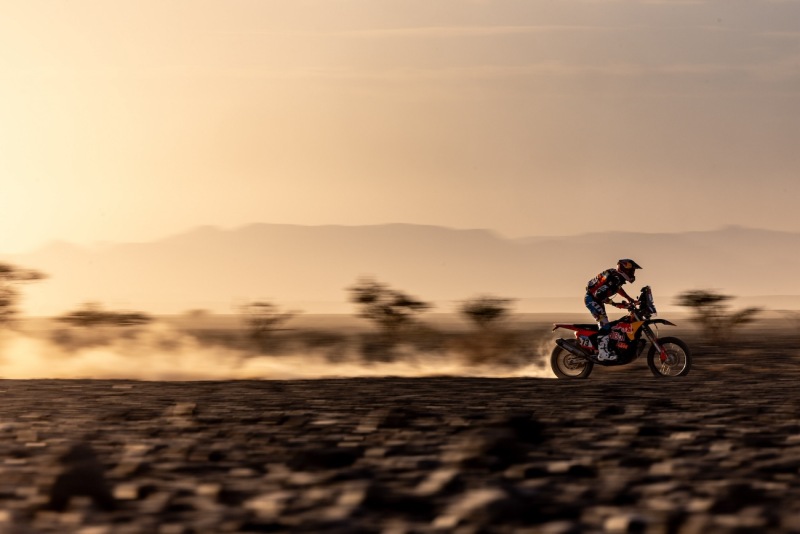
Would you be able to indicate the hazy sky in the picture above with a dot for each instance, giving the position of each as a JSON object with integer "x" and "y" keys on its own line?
{"x": 131, "y": 120}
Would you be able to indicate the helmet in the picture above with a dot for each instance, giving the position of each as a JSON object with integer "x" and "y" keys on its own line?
{"x": 627, "y": 268}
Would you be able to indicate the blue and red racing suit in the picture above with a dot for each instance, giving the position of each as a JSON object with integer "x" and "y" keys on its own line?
{"x": 599, "y": 291}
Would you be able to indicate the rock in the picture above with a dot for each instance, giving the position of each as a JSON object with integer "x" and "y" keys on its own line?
{"x": 625, "y": 524}
{"x": 82, "y": 474}
{"x": 325, "y": 458}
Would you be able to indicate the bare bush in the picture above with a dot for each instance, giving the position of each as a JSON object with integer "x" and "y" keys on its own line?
{"x": 92, "y": 314}
{"x": 489, "y": 344}
{"x": 263, "y": 320}
{"x": 486, "y": 311}
{"x": 711, "y": 310}
{"x": 11, "y": 277}
{"x": 390, "y": 309}
{"x": 92, "y": 325}
{"x": 393, "y": 311}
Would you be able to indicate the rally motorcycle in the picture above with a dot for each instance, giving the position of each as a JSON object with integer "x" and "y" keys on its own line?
{"x": 628, "y": 338}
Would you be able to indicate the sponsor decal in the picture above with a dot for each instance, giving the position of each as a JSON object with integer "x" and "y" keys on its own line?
{"x": 634, "y": 327}
{"x": 629, "y": 329}
{"x": 625, "y": 328}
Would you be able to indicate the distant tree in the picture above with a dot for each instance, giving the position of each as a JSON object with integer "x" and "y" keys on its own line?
{"x": 388, "y": 308}
{"x": 11, "y": 277}
{"x": 711, "y": 311}
{"x": 92, "y": 314}
{"x": 486, "y": 311}
{"x": 263, "y": 318}
{"x": 393, "y": 312}
{"x": 488, "y": 344}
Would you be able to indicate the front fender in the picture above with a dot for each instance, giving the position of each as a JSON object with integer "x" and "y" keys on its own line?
{"x": 661, "y": 321}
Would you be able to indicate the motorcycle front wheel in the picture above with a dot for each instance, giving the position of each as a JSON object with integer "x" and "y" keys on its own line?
{"x": 567, "y": 365}
{"x": 678, "y": 360}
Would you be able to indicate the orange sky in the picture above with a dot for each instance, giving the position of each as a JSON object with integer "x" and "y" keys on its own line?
{"x": 132, "y": 120}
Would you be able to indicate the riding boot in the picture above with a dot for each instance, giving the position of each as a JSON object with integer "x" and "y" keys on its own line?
{"x": 603, "y": 354}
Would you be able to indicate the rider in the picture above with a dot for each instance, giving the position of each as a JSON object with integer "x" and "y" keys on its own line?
{"x": 599, "y": 291}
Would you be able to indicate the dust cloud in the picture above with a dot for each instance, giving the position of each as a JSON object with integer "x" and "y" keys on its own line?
{"x": 161, "y": 352}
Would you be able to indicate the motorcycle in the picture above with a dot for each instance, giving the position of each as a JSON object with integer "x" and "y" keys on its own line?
{"x": 628, "y": 338}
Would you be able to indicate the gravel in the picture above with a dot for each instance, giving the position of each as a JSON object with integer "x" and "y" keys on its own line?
{"x": 622, "y": 452}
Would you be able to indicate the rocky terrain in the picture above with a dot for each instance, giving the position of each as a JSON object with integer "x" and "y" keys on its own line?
{"x": 717, "y": 451}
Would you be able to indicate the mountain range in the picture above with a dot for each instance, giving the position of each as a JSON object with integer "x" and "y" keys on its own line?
{"x": 309, "y": 267}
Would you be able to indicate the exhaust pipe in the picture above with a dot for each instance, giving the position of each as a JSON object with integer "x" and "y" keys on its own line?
{"x": 572, "y": 348}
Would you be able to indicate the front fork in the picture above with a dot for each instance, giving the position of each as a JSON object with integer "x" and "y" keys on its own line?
{"x": 653, "y": 338}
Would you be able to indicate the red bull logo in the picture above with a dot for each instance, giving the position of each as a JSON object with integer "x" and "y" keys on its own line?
{"x": 625, "y": 328}
{"x": 629, "y": 329}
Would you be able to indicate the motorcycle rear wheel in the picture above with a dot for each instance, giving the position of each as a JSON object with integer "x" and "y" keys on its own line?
{"x": 567, "y": 365}
{"x": 678, "y": 362}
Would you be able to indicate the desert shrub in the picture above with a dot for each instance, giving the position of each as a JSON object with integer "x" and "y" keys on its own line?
{"x": 263, "y": 320}
{"x": 486, "y": 311}
{"x": 11, "y": 277}
{"x": 393, "y": 312}
{"x": 711, "y": 310}
{"x": 92, "y": 314}
{"x": 92, "y": 325}
{"x": 489, "y": 343}
{"x": 389, "y": 309}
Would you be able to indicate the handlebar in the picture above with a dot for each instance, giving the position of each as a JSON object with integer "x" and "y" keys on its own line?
{"x": 627, "y": 305}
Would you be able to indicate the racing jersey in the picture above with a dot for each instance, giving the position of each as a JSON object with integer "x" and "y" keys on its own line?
{"x": 605, "y": 285}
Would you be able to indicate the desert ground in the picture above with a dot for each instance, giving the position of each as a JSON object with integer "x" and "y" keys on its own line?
{"x": 716, "y": 451}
